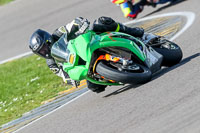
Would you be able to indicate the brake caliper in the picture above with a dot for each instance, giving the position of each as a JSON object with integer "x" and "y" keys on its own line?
{"x": 106, "y": 57}
{"x": 111, "y": 58}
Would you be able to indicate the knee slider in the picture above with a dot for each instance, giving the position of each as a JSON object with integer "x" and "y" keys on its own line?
{"x": 104, "y": 24}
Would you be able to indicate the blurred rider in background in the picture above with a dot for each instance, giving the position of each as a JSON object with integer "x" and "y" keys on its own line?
{"x": 42, "y": 41}
{"x": 131, "y": 8}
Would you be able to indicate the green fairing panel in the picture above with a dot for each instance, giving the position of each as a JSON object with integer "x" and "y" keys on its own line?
{"x": 80, "y": 47}
{"x": 78, "y": 72}
{"x": 83, "y": 47}
{"x": 111, "y": 39}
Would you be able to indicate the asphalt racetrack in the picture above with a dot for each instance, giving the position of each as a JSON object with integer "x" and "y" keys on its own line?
{"x": 170, "y": 103}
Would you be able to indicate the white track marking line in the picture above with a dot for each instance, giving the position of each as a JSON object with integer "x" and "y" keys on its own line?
{"x": 16, "y": 57}
{"x": 190, "y": 18}
{"x": 51, "y": 111}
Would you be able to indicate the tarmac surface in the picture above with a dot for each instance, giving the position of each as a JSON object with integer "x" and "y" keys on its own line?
{"x": 170, "y": 103}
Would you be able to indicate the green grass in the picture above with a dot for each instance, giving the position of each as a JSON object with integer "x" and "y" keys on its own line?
{"x": 2, "y": 2}
{"x": 24, "y": 84}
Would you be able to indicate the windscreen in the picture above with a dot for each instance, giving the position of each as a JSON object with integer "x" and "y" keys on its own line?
{"x": 59, "y": 50}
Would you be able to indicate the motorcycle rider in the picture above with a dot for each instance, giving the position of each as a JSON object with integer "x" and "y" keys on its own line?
{"x": 41, "y": 42}
{"x": 131, "y": 8}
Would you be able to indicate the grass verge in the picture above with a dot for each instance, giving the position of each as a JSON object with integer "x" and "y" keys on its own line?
{"x": 2, "y": 2}
{"x": 24, "y": 84}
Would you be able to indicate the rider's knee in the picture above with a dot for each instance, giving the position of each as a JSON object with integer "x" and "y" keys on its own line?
{"x": 103, "y": 24}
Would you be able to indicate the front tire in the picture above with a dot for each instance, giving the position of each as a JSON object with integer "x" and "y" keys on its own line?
{"x": 124, "y": 76}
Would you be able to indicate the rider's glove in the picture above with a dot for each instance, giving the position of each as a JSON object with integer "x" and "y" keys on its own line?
{"x": 83, "y": 27}
{"x": 59, "y": 72}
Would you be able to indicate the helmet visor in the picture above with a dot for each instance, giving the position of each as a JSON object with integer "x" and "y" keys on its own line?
{"x": 44, "y": 51}
{"x": 59, "y": 50}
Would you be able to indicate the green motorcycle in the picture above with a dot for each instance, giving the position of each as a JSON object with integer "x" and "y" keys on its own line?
{"x": 114, "y": 58}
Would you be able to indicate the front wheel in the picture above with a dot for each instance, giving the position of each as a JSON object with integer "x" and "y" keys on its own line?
{"x": 172, "y": 53}
{"x": 134, "y": 74}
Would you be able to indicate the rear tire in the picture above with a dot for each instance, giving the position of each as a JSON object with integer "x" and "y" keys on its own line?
{"x": 124, "y": 76}
{"x": 171, "y": 55}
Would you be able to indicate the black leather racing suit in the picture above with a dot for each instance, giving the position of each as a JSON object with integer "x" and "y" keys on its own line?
{"x": 77, "y": 27}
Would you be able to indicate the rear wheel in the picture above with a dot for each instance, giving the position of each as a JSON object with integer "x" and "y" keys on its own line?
{"x": 172, "y": 53}
{"x": 132, "y": 74}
